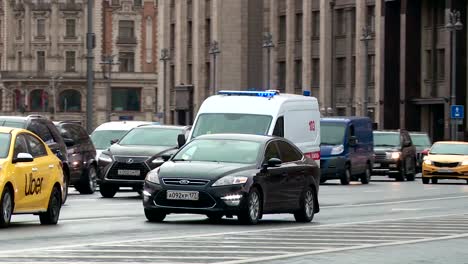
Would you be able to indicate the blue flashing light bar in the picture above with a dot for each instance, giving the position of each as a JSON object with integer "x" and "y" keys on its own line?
{"x": 268, "y": 93}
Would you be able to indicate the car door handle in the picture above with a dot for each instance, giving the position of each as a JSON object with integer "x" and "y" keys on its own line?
{"x": 51, "y": 166}
{"x": 34, "y": 169}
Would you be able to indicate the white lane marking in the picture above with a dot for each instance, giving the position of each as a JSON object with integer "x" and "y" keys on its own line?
{"x": 359, "y": 232}
{"x": 413, "y": 209}
{"x": 309, "y": 243}
{"x": 395, "y": 202}
{"x": 333, "y": 235}
{"x": 373, "y": 191}
{"x": 231, "y": 233}
{"x": 162, "y": 253}
{"x": 335, "y": 239}
{"x": 43, "y": 256}
{"x": 214, "y": 246}
{"x": 292, "y": 255}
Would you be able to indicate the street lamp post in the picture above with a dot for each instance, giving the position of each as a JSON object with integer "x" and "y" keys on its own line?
{"x": 366, "y": 37}
{"x": 164, "y": 58}
{"x": 454, "y": 24}
{"x": 268, "y": 45}
{"x": 214, "y": 51}
{"x": 109, "y": 61}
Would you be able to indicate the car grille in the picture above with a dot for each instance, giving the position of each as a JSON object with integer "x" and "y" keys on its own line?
{"x": 204, "y": 201}
{"x": 380, "y": 156}
{"x": 446, "y": 164}
{"x": 185, "y": 182}
{"x": 141, "y": 166}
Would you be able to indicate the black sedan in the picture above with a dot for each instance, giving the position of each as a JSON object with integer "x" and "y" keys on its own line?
{"x": 232, "y": 174}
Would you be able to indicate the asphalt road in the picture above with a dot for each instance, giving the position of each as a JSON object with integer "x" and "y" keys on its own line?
{"x": 383, "y": 222}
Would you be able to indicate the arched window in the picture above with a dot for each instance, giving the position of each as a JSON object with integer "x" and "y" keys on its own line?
{"x": 70, "y": 101}
{"x": 18, "y": 102}
{"x": 39, "y": 101}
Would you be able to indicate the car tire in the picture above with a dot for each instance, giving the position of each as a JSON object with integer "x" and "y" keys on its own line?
{"x": 306, "y": 213}
{"x": 88, "y": 181}
{"x": 6, "y": 207}
{"x": 434, "y": 180}
{"x": 366, "y": 176}
{"x": 253, "y": 208}
{"x": 214, "y": 217}
{"x": 51, "y": 216}
{"x": 425, "y": 180}
{"x": 346, "y": 177}
{"x": 108, "y": 190}
{"x": 155, "y": 216}
{"x": 66, "y": 184}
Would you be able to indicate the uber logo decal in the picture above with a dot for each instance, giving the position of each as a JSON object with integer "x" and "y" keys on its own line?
{"x": 32, "y": 185}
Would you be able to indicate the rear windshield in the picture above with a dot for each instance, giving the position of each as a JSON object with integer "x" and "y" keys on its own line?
{"x": 102, "y": 138}
{"x": 221, "y": 123}
{"x": 332, "y": 133}
{"x": 12, "y": 123}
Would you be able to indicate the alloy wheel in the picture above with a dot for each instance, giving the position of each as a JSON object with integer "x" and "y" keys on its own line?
{"x": 309, "y": 203}
{"x": 92, "y": 179}
{"x": 254, "y": 206}
{"x": 7, "y": 207}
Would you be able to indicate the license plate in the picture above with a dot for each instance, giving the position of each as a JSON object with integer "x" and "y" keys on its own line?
{"x": 376, "y": 165}
{"x": 128, "y": 172}
{"x": 182, "y": 195}
{"x": 444, "y": 170}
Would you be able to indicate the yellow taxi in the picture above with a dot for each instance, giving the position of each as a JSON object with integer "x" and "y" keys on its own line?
{"x": 446, "y": 160}
{"x": 31, "y": 177}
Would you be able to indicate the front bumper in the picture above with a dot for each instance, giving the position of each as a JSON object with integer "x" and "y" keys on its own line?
{"x": 431, "y": 171}
{"x": 332, "y": 167}
{"x": 210, "y": 199}
{"x": 386, "y": 166}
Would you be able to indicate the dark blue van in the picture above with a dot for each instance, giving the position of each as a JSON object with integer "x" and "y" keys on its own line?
{"x": 346, "y": 149}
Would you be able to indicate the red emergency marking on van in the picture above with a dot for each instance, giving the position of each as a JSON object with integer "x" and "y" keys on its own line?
{"x": 312, "y": 125}
{"x": 313, "y": 155}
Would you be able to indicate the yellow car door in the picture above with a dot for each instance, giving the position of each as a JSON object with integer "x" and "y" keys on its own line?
{"x": 38, "y": 184}
{"x": 21, "y": 172}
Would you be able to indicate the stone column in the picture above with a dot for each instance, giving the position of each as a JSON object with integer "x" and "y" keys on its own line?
{"x": 27, "y": 38}
{"x": 164, "y": 43}
{"x": 290, "y": 45}
{"x": 379, "y": 61}
{"x": 180, "y": 60}
{"x": 350, "y": 24}
{"x": 199, "y": 53}
{"x": 325, "y": 92}
{"x": 274, "y": 51}
{"x": 402, "y": 98}
{"x": 54, "y": 27}
{"x": 307, "y": 46}
{"x": 361, "y": 21}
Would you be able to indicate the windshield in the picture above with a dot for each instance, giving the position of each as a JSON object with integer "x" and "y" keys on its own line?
{"x": 4, "y": 145}
{"x": 449, "y": 149}
{"x": 150, "y": 136}
{"x": 232, "y": 123}
{"x": 220, "y": 150}
{"x": 101, "y": 138}
{"x": 332, "y": 133}
{"x": 387, "y": 139}
{"x": 420, "y": 140}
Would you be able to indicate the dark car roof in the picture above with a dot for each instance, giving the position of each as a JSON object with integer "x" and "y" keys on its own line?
{"x": 247, "y": 137}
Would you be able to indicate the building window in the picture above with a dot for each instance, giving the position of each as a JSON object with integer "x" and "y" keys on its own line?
{"x": 371, "y": 17}
{"x": 298, "y": 76}
{"x": 39, "y": 100}
{"x": 282, "y": 76}
{"x": 340, "y": 24}
{"x": 115, "y": 2}
{"x": 20, "y": 61}
{"x": 208, "y": 31}
{"x": 41, "y": 61}
{"x": 316, "y": 24}
{"x": 70, "y": 61}
{"x": 137, "y": 2}
{"x": 70, "y": 101}
{"x": 316, "y": 72}
{"x": 340, "y": 69}
{"x": 428, "y": 65}
{"x": 353, "y": 21}
{"x": 189, "y": 74}
{"x": 208, "y": 79}
{"x": 19, "y": 29}
{"x": 40, "y": 28}
{"x": 299, "y": 27}
{"x": 440, "y": 64}
{"x": 70, "y": 28}
{"x": 126, "y": 29}
{"x": 172, "y": 44}
{"x": 189, "y": 33}
{"x": 127, "y": 61}
{"x": 282, "y": 29}
{"x": 371, "y": 73}
{"x": 440, "y": 11}
{"x": 126, "y": 99}
{"x": 19, "y": 104}
{"x": 353, "y": 70}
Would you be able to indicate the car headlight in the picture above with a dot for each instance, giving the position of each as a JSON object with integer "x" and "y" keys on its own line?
{"x": 464, "y": 163}
{"x": 337, "y": 150}
{"x": 230, "y": 180}
{"x": 393, "y": 155}
{"x": 428, "y": 162}
{"x": 153, "y": 176}
{"x": 105, "y": 158}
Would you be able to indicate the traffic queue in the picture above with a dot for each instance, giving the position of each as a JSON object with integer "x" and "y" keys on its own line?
{"x": 248, "y": 153}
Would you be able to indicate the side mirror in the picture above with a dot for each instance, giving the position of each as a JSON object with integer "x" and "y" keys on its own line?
{"x": 166, "y": 157}
{"x": 353, "y": 141}
{"x": 69, "y": 142}
{"x": 273, "y": 162}
{"x": 23, "y": 157}
{"x": 113, "y": 141}
{"x": 181, "y": 140}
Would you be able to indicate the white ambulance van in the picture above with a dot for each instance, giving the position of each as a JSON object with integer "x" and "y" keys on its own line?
{"x": 295, "y": 117}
